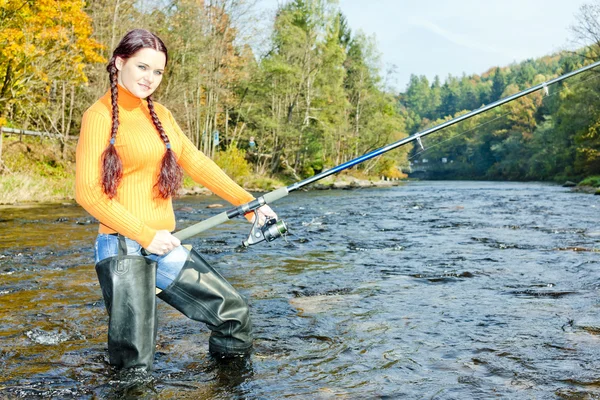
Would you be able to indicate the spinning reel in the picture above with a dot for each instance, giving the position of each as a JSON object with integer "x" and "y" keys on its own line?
{"x": 269, "y": 231}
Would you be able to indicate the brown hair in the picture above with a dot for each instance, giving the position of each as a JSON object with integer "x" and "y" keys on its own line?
{"x": 171, "y": 174}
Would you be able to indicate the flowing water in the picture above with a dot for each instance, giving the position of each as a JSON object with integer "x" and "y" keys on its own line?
{"x": 430, "y": 290}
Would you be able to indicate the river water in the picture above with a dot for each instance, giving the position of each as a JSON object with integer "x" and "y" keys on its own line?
{"x": 430, "y": 290}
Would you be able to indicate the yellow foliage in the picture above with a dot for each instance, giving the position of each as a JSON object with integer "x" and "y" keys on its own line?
{"x": 388, "y": 169}
{"x": 233, "y": 162}
{"x": 42, "y": 42}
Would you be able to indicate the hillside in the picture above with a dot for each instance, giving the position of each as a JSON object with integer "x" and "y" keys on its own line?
{"x": 537, "y": 137}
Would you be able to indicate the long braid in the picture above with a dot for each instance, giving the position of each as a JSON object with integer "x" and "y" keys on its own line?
{"x": 112, "y": 166}
{"x": 171, "y": 174}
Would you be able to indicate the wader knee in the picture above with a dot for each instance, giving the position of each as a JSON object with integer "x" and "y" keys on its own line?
{"x": 202, "y": 294}
{"x": 129, "y": 289}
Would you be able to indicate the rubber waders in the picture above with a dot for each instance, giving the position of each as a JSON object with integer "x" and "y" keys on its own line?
{"x": 128, "y": 286}
{"x": 202, "y": 294}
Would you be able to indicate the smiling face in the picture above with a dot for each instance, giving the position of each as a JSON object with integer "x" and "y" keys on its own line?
{"x": 141, "y": 73}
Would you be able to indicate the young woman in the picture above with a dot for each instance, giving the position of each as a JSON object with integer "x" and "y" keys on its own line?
{"x": 130, "y": 160}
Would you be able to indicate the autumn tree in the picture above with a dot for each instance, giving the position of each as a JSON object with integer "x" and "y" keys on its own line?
{"x": 45, "y": 46}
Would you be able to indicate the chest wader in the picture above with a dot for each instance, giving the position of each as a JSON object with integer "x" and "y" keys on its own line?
{"x": 202, "y": 294}
{"x": 128, "y": 286}
{"x": 199, "y": 292}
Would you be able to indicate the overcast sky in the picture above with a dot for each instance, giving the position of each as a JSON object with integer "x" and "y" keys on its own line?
{"x": 436, "y": 37}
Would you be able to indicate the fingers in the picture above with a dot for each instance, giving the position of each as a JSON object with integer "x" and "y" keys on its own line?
{"x": 266, "y": 211}
{"x": 263, "y": 213}
{"x": 170, "y": 244}
{"x": 163, "y": 243}
{"x": 158, "y": 250}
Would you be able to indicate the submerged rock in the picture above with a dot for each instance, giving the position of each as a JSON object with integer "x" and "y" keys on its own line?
{"x": 40, "y": 336}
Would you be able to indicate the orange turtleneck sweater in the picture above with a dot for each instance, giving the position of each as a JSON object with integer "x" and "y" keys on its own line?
{"x": 135, "y": 211}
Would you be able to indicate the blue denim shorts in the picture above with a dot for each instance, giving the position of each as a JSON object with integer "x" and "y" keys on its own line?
{"x": 168, "y": 265}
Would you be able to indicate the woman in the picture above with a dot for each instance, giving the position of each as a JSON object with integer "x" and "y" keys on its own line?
{"x": 130, "y": 160}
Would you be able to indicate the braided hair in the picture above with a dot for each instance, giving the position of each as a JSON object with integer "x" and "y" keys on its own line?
{"x": 170, "y": 176}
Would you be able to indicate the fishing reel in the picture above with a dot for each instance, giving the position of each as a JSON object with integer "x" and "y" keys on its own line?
{"x": 269, "y": 231}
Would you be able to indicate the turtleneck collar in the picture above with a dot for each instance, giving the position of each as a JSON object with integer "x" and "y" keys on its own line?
{"x": 126, "y": 99}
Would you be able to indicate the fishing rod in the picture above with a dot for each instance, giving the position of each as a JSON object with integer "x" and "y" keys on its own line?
{"x": 273, "y": 228}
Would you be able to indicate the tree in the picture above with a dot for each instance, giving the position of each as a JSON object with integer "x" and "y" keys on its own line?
{"x": 329, "y": 124}
{"x": 288, "y": 79}
{"x": 45, "y": 46}
{"x": 418, "y": 95}
{"x": 587, "y": 28}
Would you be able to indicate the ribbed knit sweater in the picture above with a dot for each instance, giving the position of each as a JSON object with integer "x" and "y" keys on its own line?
{"x": 136, "y": 212}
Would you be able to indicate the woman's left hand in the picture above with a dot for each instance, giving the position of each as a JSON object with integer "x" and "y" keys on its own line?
{"x": 264, "y": 212}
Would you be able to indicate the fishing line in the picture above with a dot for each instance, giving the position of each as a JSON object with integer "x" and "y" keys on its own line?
{"x": 547, "y": 96}
{"x": 439, "y": 143}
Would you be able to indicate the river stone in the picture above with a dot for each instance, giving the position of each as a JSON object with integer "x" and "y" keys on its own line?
{"x": 201, "y": 190}
{"x": 49, "y": 338}
{"x": 322, "y": 303}
{"x": 589, "y": 325}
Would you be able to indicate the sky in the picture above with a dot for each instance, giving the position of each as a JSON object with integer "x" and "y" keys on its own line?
{"x": 452, "y": 37}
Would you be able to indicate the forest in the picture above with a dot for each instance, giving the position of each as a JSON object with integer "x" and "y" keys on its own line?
{"x": 310, "y": 92}
{"x": 537, "y": 137}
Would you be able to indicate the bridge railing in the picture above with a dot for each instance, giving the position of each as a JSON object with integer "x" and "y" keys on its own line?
{"x": 21, "y": 132}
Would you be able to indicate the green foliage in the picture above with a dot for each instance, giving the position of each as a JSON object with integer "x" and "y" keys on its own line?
{"x": 317, "y": 96}
{"x": 39, "y": 158}
{"x": 314, "y": 100}
{"x": 263, "y": 183}
{"x": 234, "y": 163}
{"x": 531, "y": 138}
{"x": 591, "y": 181}
{"x": 188, "y": 182}
{"x": 37, "y": 172}
{"x": 21, "y": 187}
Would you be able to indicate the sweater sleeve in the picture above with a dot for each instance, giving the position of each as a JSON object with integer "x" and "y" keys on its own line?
{"x": 207, "y": 173}
{"x": 93, "y": 139}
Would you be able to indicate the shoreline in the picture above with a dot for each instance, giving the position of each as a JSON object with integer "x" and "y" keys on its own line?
{"x": 345, "y": 183}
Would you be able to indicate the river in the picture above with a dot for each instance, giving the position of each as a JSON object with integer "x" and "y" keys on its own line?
{"x": 429, "y": 290}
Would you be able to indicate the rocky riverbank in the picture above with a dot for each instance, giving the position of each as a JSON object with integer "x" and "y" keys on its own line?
{"x": 582, "y": 188}
{"x": 341, "y": 182}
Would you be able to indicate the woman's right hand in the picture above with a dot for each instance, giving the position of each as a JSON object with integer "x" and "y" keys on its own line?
{"x": 163, "y": 243}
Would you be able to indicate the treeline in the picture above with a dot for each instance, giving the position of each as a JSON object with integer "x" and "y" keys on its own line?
{"x": 313, "y": 98}
{"x": 311, "y": 95}
{"x": 536, "y": 137}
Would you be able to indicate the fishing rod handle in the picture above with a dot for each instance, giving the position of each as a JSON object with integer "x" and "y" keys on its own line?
{"x": 201, "y": 226}
{"x": 275, "y": 195}
{"x": 218, "y": 219}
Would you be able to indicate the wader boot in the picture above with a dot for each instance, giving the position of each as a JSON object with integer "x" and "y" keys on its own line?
{"x": 202, "y": 294}
{"x": 129, "y": 289}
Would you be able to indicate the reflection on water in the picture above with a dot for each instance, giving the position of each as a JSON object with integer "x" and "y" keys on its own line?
{"x": 428, "y": 290}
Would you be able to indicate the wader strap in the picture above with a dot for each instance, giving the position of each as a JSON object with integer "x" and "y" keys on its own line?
{"x": 122, "y": 245}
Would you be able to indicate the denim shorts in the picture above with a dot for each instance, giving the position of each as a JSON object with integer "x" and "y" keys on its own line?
{"x": 168, "y": 265}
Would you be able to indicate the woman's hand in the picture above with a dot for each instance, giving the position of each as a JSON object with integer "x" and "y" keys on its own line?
{"x": 163, "y": 243}
{"x": 264, "y": 212}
